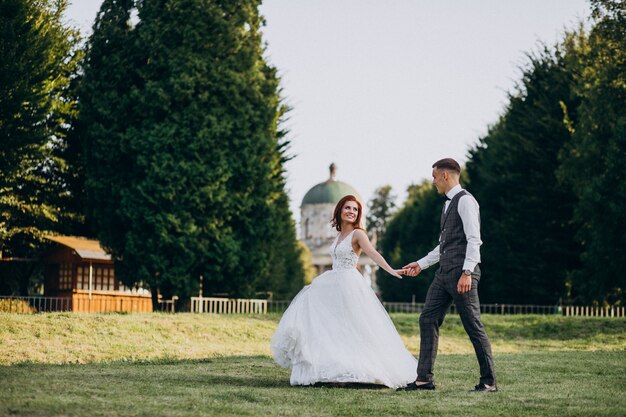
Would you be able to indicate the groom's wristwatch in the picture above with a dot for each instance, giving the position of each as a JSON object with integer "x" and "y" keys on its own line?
{"x": 467, "y": 272}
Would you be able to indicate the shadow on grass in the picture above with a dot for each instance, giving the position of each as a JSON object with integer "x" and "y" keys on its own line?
{"x": 262, "y": 372}
{"x": 345, "y": 385}
{"x": 229, "y": 371}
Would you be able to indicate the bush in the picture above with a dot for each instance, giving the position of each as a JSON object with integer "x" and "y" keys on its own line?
{"x": 16, "y": 305}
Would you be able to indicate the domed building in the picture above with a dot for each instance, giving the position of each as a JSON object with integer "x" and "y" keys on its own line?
{"x": 316, "y": 212}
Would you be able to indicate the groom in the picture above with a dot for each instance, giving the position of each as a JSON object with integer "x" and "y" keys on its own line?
{"x": 458, "y": 254}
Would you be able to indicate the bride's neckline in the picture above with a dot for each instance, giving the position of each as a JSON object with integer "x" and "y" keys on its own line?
{"x": 344, "y": 238}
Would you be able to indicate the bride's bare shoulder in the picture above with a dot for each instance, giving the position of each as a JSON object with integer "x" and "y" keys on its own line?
{"x": 360, "y": 234}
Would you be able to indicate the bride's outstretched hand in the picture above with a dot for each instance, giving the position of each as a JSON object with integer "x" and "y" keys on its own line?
{"x": 399, "y": 273}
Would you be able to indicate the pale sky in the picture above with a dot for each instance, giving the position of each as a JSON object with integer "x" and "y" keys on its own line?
{"x": 385, "y": 88}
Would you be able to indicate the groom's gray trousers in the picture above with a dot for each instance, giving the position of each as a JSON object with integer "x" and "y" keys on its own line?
{"x": 442, "y": 292}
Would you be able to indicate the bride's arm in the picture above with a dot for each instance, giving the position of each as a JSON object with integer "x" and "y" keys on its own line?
{"x": 364, "y": 243}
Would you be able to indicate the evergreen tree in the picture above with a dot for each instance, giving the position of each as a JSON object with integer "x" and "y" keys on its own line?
{"x": 287, "y": 257}
{"x": 105, "y": 115}
{"x": 38, "y": 61}
{"x": 593, "y": 162}
{"x": 184, "y": 157}
{"x": 381, "y": 208}
{"x": 548, "y": 176}
{"x": 306, "y": 259}
{"x": 411, "y": 233}
{"x": 527, "y": 232}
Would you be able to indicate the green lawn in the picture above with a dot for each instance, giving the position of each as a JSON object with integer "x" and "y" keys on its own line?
{"x": 192, "y": 365}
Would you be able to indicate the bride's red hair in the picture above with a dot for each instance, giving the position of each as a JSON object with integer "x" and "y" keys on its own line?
{"x": 336, "y": 221}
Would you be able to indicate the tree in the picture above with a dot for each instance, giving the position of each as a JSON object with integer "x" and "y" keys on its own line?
{"x": 548, "y": 175}
{"x": 381, "y": 208}
{"x": 39, "y": 60}
{"x": 593, "y": 161}
{"x": 411, "y": 233}
{"x": 184, "y": 155}
{"x": 310, "y": 271}
{"x": 527, "y": 232}
{"x": 287, "y": 257}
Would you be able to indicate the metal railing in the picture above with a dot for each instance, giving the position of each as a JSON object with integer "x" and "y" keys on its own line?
{"x": 277, "y": 306}
{"x": 394, "y": 307}
{"x": 37, "y": 304}
{"x": 11, "y": 304}
{"x": 280, "y": 306}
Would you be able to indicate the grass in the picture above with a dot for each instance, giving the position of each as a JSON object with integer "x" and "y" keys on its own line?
{"x": 532, "y": 384}
{"x": 524, "y": 333}
{"x": 193, "y": 365}
{"x": 85, "y": 338}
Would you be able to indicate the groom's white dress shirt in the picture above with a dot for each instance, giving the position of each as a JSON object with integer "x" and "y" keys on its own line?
{"x": 470, "y": 216}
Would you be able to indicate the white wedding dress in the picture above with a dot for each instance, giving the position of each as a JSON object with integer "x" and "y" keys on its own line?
{"x": 336, "y": 330}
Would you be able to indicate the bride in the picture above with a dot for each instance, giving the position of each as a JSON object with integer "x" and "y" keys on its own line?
{"x": 335, "y": 330}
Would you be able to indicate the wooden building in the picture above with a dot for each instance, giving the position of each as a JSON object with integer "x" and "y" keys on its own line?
{"x": 79, "y": 269}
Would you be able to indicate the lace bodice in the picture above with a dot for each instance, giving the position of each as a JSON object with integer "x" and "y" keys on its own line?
{"x": 342, "y": 253}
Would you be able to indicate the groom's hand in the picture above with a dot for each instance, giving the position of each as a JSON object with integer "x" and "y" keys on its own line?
{"x": 464, "y": 284}
{"x": 412, "y": 269}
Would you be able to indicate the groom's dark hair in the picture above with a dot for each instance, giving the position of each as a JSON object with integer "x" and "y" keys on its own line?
{"x": 449, "y": 164}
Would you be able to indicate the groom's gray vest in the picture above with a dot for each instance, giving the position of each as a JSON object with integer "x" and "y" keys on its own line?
{"x": 452, "y": 241}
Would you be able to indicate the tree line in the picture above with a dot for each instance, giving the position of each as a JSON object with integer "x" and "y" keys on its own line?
{"x": 549, "y": 178}
{"x": 160, "y": 136}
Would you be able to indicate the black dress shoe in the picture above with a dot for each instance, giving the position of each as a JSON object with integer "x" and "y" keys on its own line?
{"x": 429, "y": 386}
{"x": 485, "y": 388}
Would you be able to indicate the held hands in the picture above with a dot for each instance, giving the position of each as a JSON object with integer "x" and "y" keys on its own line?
{"x": 397, "y": 273}
{"x": 412, "y": 269}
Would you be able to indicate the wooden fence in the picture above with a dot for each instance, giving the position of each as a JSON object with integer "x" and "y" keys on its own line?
{"x": 594, "y": 311}
{"x": 168, "y": 306}
{"x": 106, "y": 302}
{"x": 227, "y": 305}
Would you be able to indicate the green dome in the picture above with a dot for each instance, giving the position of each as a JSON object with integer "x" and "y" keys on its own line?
{"x": 329, "y": 191}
